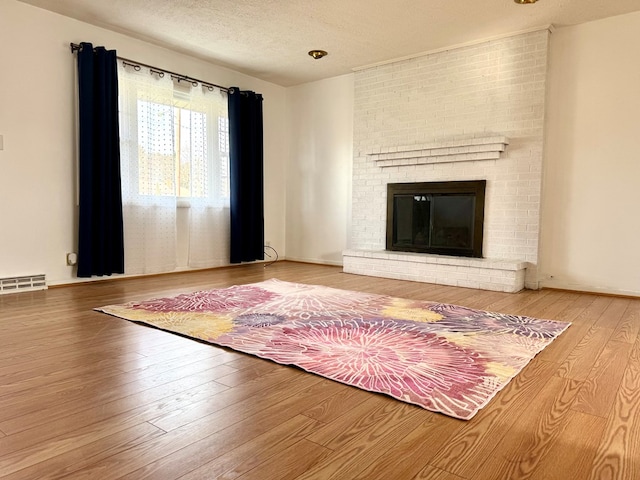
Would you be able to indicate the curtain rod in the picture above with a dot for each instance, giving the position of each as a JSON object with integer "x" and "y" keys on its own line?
{"x": 137, "y": 65}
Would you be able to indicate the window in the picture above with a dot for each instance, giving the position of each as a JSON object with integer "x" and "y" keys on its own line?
{"x": 176, "y": 140}
{"x": 180, "y": 167}
{"x": 223, "y": 145}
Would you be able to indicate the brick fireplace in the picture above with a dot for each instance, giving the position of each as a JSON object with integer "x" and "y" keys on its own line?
{"x": 469, "y": 113}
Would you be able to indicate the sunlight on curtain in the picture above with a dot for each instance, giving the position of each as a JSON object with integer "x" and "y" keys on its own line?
{"x": 207, "y": 165}
{"x": 171, "y": 162}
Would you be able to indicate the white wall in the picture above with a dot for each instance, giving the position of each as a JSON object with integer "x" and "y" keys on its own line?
{"x": 591, "y": 193}
{"x": 319, "y": 170}
{"x": 37, "y": 183}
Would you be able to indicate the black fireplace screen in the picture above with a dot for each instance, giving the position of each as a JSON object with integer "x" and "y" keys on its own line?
{"x": 436, "y": 217}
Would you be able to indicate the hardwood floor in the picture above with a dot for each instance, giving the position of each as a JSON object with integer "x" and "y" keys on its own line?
{"x": 86, "y": 395}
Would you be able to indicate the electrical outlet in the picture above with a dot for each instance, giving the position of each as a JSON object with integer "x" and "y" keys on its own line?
{"x": 72, "y": 259}
{"x": 267, "y": 243}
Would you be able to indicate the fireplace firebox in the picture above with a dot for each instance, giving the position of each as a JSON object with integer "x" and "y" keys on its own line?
{"x": 444, "y": 218}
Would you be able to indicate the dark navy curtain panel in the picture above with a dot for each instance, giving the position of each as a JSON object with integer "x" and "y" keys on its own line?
{"x": 100, "y": 235}
{"x": 246, "y": 173}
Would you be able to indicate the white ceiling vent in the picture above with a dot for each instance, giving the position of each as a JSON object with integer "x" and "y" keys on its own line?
{"x": 22, "y": 284}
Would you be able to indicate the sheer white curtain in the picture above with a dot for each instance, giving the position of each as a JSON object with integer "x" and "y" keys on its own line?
{"x": 170, "y": 157}
{"x": 209, "y": 174}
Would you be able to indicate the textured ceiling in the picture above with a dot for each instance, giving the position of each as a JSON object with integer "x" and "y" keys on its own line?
{"x": 269, "y": 39}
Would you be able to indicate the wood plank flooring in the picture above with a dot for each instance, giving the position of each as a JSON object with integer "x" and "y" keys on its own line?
{"x": 86, "y": 395}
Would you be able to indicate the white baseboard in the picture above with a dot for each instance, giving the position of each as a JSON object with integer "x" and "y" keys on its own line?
{"x": 578, "y": 287}
{"x": 313, "y": 260}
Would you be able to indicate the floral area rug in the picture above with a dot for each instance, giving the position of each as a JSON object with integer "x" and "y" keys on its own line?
{"x": 445, "y": 358}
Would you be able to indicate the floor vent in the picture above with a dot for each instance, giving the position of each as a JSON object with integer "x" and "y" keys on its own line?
{"x": 22, "y": 284}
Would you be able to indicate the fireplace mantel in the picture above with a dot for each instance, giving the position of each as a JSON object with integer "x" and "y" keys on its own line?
{"x": 446, "y": 151}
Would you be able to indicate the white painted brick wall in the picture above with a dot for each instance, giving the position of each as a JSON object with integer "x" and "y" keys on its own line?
{"x": 495, "y": 88}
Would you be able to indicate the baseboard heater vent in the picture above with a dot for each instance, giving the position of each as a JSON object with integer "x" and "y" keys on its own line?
{"x": 22, "y": 284}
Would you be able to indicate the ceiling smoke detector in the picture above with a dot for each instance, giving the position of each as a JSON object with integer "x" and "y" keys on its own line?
{"x": 318, "y": 54}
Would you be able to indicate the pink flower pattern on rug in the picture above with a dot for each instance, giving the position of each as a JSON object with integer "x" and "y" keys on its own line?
{"x": 239, "y": 296}
{"x": 379, "y": 356}
{"x": 453, "y": 362}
